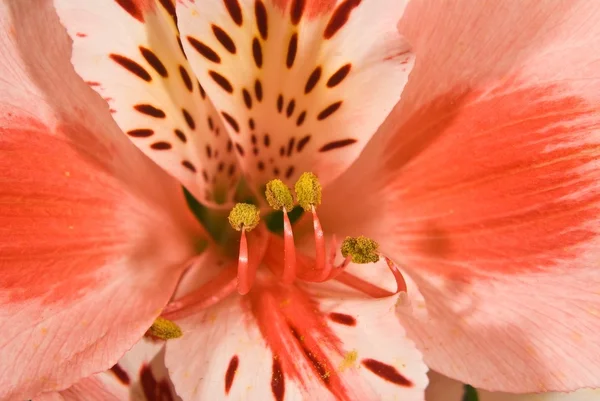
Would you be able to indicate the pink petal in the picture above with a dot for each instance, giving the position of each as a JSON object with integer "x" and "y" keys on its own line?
{"x": 484, "y": 184}
{"x": 92, "y": 232}
{"x": 89, "y": 389}
{"x": 280, "y": 343}
{"x": 140, "y": 375}
{"x": 130, "y": 53}
{"x": 302, "y": 85}
{"x": 442, "y": 388}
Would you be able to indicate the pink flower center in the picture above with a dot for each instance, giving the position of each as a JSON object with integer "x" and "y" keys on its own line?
{"x": 259, "y": 247}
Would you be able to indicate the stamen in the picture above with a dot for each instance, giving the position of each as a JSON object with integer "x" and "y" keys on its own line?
{"x": 362, "y": 249}
{"x": 308, "y": 191}
{"x": 164, "y": 329}
{"x": 289, "y": 251}
{"x": 245, "y": 273}
{"x": 209, "y": 294}
{"x": 244, "y": 217}
{"x": 280, "y": 197}
{"x": 321, "y": 265}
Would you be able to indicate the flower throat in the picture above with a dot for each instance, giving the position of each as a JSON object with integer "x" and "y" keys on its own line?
{"x": 260, "y": 244}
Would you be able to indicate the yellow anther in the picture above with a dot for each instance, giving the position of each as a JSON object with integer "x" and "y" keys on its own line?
{"x": 164, "y": 329}
{"x": 279, "y": 196}
{"x": 244, "y": 216}
{"x": 308, "y": 191}
{"x": 362, "y": 249}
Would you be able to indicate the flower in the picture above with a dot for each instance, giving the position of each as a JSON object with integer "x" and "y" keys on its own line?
{"x": 481, "y": 183}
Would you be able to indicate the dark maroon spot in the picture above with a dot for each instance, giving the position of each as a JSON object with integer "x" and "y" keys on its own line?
{"x": 189, "y": 166}
{"x": 260, "y": 164}
{"x": 140, "y": 133}
{"x": 230, "y": 374}
{"x": 161, "y": 146}
{"x": 260, "y": 12}
{"x": 301, "y": 118}
{"x": 337, "y": 144}
{"x": 239, "y": 149}
{"x": 340, "y": 17}
{"x": 233, "y": 7}
{"x": 205, "y": 175}
{"x": 258, "y": 90}
{"x": 338, "y": 76}
{"x": 255, "y": 151}
{"x": 154, "y": 390}
{"x": 229, "y": 146}
{"x": 154, "y": 61}
{"x": 277, "y": 380}
{"x": 231, "y": 170}
{"x": 150, "y": 110}
{"x": 204, "y": 50}
{"x": 302, "y": 143}
{"x": 257, "y": 52}
{"x": 297, "y": 11}
{"x": 342, "y": 318}
{"x": 267, "y": 140}
{"x": 188, "y": 119}
{"x": 221, "y": 81}
{"x": 170, "y": 7}
{"x": 313, "y": 79}
{"x": 289, "y": 172}
{"x": 386, "y": 372}
{"x": 292, "y": 49}
{"x": 202, "y": 91}
{"x": 275, "y": 171}
{"x": 290, "y": 108}
{"x": 180, "y": 135}
{"x": 247, "y": 98}
{"x": 131, "y": 66}
{"x": 208, "y": 151}
{"x": 291, "y": 146}
{"x": 282, "y": 151}
{"x": 231, "y": 121}
{"x": 224, "y": 39}
{"x": 186, "y": 78}
{"x": 279, "y": 103}
{"x": 120, "y": 373}
{"x": 253, "y": 139}
{"x": 251, "y": 123}
{"x": 221, "y": 166}
{"x": 132, "y": 8}
{"x": 329, "y": 110}
{"x": 211, "y": 125}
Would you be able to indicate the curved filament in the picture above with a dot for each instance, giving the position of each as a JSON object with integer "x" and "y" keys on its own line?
{"x": 289, "y": 251}
{"x": 321, "y": 266}
{"x": 245, "y": 275}
{"x": 252, "y": 251}
{"x": 207, "y": 295}
{"x": 370, "y": 289}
